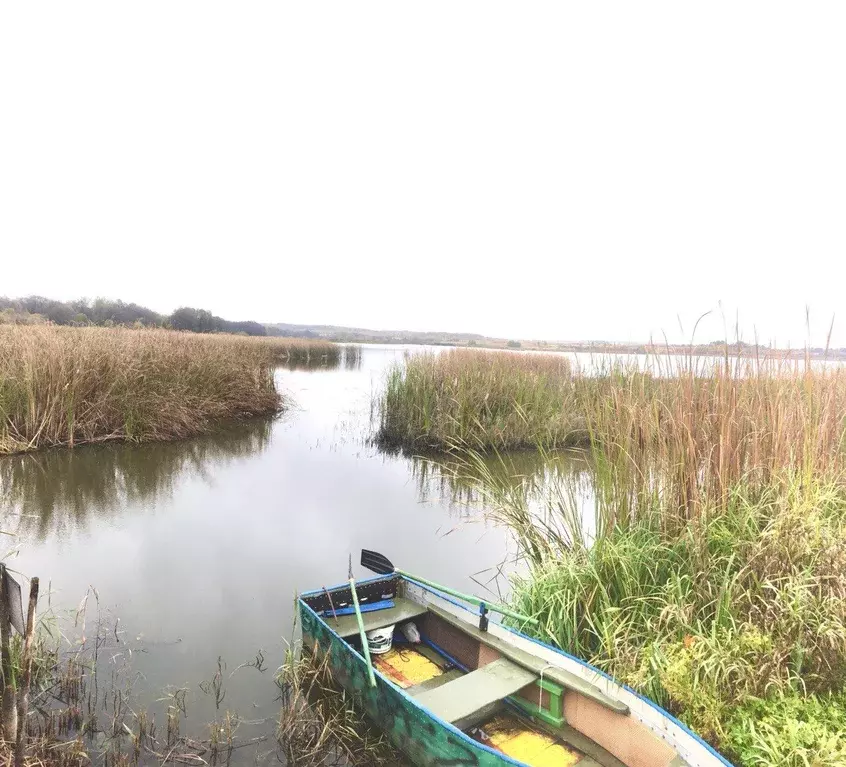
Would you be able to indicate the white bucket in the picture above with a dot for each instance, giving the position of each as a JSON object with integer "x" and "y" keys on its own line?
{"x": 379, "y": 641}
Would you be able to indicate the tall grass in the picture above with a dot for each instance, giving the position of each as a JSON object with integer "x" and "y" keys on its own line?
{"x": 684, "y": 428}
{"x": 481, "y": 399}
{"x": 683, "y": 432}
{"x": 70, "y": 386}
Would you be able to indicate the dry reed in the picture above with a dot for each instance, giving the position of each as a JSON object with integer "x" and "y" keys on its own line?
{"x": 320, "y": 724}
{"x": 63, "y": 386}
{"x": 682, "y": 432}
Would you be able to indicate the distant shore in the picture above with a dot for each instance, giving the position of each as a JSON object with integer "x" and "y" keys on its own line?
{"x": 341, "y": 334}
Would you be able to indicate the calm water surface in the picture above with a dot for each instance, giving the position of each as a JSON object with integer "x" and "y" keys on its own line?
{"x": 199, "y": 547}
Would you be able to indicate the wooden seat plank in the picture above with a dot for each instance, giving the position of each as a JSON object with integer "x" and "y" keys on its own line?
{"x": 434, "y": 682}
{"x": 403, "y": 610}
{"x": 553, "y": 673}
{"x": 459, "y": 699}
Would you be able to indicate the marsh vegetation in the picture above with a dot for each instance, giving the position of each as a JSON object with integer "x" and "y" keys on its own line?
{"x": 479, "y": 399}
{"x": 64, "y": 386}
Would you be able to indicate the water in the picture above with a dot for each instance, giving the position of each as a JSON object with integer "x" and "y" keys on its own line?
{"x": 199, "y": 547}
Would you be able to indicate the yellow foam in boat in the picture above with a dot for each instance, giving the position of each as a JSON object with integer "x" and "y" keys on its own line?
{"x": 525, "y": 744}
{"x": 406, "y": 667}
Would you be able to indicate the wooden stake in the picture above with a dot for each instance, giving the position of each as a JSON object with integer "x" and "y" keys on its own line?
{"x": 8, "y": 712}
{"x": 23, "y": 696}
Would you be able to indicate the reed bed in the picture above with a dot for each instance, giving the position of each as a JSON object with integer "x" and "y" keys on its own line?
{"x": 683, "y": 432}
{"x": 295, "y": 350}
{"x": 62, "y": 386}
{"x": 480, "y": 399}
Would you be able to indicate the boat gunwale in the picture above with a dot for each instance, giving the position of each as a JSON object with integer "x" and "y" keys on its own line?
{"x": 447, "y": 598}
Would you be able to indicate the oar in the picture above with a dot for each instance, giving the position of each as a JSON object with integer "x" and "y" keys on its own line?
{"x": 364, "y": 646}
{"x": 380, "y": 564}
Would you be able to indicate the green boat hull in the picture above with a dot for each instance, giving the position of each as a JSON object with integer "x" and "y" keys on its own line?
{"x": 425, "y": 740}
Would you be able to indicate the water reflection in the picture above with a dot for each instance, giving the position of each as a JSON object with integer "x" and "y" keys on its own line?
{"x": 460, "y": 479}
{"x": 57, "y": 491}
{"x": 349, "y": 358}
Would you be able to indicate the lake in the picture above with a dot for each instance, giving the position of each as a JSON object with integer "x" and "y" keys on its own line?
{"x": 197, "y": 548}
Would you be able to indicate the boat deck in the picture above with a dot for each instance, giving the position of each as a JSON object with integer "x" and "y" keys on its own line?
{"x": 402, "y": 610}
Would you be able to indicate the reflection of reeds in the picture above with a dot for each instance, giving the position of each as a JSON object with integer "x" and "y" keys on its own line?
{"x": 352, "y": 356}
{"x": 62, "y": 386}
{"x": 319, "y": 725}
{"x": 456, "y": 478}
{"x": 62, "y": 488}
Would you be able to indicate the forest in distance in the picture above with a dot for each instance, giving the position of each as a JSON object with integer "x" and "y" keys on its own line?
{"x": 105, "y": 312}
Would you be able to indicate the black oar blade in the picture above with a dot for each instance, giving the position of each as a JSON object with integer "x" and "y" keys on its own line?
{"x": 376, "y": 562}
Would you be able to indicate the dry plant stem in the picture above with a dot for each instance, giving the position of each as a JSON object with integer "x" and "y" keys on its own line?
{"x": 23, "y": 695}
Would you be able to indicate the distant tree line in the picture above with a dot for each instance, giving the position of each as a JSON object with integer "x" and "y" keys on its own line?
{"x": 105, "y": 312}
{"x": 202, "y": 321}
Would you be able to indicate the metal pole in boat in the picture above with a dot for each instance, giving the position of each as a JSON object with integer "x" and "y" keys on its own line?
{"x": 365, "y": 648}
{"x": 489, "y": 608}
{"x": 380, "y": 564}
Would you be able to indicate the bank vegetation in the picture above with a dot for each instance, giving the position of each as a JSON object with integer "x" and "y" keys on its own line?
{"x": 67, "y": 386}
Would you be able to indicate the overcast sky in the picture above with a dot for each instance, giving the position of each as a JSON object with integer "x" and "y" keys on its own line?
{"x": 537, "y": 170}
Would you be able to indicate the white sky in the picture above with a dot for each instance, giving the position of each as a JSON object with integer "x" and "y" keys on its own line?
{"x": 535, "y": 170}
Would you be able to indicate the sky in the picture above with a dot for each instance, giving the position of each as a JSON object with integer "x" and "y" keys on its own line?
{"x": 555, "y": 170}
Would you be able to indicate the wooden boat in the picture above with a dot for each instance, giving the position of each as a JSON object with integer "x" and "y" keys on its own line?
{"x": 477, "y": 693}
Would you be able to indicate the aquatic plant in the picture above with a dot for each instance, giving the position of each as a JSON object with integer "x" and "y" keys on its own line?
{"x": 320, "y": 724}
{"x": 479, "y": 399}
{"x": 63, "y": 386}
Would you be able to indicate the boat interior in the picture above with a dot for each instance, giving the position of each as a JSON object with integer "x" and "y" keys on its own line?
{"x": 500, "y": 695}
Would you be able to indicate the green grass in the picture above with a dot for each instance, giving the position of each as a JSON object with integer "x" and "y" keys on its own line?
{"x": 481, "y": 399}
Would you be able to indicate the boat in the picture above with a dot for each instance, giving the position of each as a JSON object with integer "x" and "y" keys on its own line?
{"x": 472, "y": 691}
